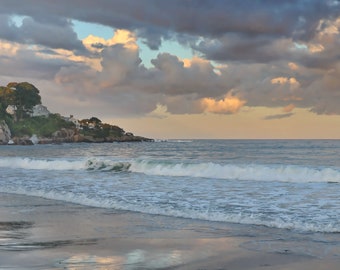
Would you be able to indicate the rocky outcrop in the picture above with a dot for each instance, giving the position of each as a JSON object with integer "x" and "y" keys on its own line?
{"x": 64, "y": 135}
{"x": 29, "y": 119}
{"x": 73, "y": 136}
{"x": 127, "y": 138}
{"x": 91, "y": 139}
{"x": 24, "y": 140}
{"x": 61, "y": 138}
{"x": 5, "y": 133}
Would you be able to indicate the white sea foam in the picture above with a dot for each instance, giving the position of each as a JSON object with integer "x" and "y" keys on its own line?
{"x": 238, "y": 218}
{"x": 283, "y": 173}
{"x": 107, "y": 165}
{"x": 251, "y": 172}
{"x": 180, "y": 141}
{"x": 41, "y": 164}
{"x": 62, "y": 164}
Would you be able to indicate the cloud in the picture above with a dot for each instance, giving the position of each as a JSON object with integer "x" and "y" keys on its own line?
{"x": 212, "y": 18}
{"x": 125, "y": 85}
{"x": 8, "y": 49}
{"x": 287, "y": 113}
{"x": 278, "y": 116}
{"x": 115, "y": 81}
{"x": 161, "y": 112}
{"x": 293, "y": 66}
{"x": 292, "y": 82}
{"x": 279, "y": 54}
{"x": 234, "y": 47}
{"x": 121, "y": 36}
{"x": 23, "y": 61}
{"x": 289, "y": 108}
{"x": 174, "y": 76}
{"x": 228, "y": 104}
{"x": 57, "y": 33}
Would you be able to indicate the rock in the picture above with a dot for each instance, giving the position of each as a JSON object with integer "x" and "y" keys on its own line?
{"x": 25, "y": 140}
{"x": 5, "y": 133}
{"x": 128, "y": 138}
{"x": 44, "y": 140}
{"x": 63, "y": 135}
{"x": 78, "y": 138}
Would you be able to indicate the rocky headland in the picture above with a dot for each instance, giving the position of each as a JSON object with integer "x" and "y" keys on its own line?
{"x": 25, "y": 121}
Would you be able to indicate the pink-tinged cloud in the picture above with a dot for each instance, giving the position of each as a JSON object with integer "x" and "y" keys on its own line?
{"x": 228, "y": 104}
{"x": 289, "y": 108}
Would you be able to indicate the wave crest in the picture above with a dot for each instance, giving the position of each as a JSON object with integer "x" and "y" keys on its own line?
{"x": 281, "y": 173}
{"x": 102, "y": 165}
{"x": 251, "y": 172}
{"x": 64, "y": 165}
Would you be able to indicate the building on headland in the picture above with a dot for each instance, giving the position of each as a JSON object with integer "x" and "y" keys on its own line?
{"x": 11, "y": 109}
{"x": 37, "y": 110}
{"x": 40, "y": 110}
{"x": 74, "y": 121}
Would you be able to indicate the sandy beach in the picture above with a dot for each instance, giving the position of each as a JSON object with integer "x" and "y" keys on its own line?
{"x": 36, "y": 233}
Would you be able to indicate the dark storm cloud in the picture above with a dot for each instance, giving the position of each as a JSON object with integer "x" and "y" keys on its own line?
{"x": 233, "y": 47}
{"x": 209, "y": 18}
{"x": 7, "y": 29}
{"x": 56, "y": 34}
{"x": 49, "y": 34}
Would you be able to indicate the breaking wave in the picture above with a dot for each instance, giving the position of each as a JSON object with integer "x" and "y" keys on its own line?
{"x": 41, "y": 164}
{"x": 255, "y": 172}
{"x": 282, "y": 173}
{"x": 64, "y": 165}
{"x": 102, "y": 165}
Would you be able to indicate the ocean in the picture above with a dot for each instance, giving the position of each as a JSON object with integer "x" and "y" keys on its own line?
{"x": 282, "y": 184}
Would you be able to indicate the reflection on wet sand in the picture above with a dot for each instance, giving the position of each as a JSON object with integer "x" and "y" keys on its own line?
{"x": 14, "y": 230}
{"x": 280, "y": 246}
{"x": 27, "y": 246}
{"x": 58, "y": 235}
{"x": 14, "y": 237}
{"x": 154, "y": 255}
{"x": 89, "y": 262}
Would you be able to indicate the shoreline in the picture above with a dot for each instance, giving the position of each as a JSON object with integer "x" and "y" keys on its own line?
{"x": 37, "y": 233}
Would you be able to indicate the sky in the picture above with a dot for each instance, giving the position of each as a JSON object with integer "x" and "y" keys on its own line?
{"x": 185, "y": 69}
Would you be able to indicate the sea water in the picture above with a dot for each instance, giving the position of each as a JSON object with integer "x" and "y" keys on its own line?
{"x": 287, "y": 184}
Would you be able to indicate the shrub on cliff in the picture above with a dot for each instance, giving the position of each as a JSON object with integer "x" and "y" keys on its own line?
{"x": 40, "y": 125}
{"x": 95, "y": 128}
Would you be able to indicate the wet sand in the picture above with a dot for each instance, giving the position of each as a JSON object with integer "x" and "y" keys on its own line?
{"x": 36, "y": 233}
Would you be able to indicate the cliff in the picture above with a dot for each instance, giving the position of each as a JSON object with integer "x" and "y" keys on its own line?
{"x": 5, "y": 133}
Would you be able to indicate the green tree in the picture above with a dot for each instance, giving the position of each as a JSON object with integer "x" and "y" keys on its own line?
{"x": 6, "y": 98}
{"x": 95, "y": 120}
{"x": 26, "y": 96}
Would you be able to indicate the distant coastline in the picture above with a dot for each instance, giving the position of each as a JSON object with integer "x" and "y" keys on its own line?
{"x": 24, "y": 120}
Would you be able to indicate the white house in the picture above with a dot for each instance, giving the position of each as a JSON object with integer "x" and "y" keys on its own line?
{"x": 74, "y": 121}
{"x": 39, "y": 110}
{"x": 11, "y": 109}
